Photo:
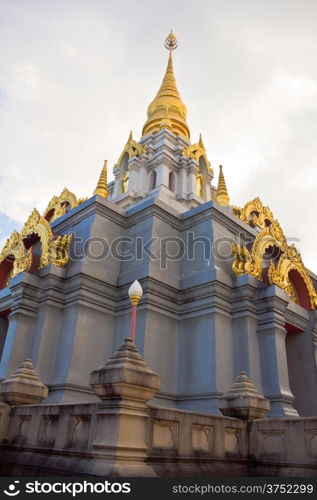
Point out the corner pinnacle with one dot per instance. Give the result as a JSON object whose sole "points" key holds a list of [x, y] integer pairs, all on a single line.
{"points": [[222, 196], [101, 188]]}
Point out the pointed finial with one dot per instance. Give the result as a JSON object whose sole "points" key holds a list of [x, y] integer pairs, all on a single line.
{"points": [[201, 144], [167, 97], [171, 42], [222, 196], [101, 188], [130, 137]]}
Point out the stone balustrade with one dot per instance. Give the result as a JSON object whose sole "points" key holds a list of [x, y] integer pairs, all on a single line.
{"points": [[63, 440]]}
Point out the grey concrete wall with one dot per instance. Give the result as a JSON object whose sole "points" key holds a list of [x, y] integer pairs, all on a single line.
{"points": [[4, 324], [197, 326]]}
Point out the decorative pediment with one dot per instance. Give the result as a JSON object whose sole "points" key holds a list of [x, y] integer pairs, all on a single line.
{"points": [[15, 257], [272, 260], [133, 148], [59, 205], [196, 151], [18, 256], [254, 213]]}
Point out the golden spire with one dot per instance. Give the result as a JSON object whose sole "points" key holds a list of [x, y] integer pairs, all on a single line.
{"points": [[222, 196], [166, 121], [167, 102], [101, 188]]}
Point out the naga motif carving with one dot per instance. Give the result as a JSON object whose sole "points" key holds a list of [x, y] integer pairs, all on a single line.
{"points": [[59, 204], [254, 213], [133, 148], [275, 268], [196, 151], [17, 255]]}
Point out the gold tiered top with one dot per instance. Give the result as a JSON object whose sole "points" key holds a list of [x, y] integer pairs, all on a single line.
{"points": [[102, 189], [167, 110], [222, 196]]}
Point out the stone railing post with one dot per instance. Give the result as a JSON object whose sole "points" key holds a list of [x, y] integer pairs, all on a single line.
{"points": [[125, 384], [23, 387], [244, 401]]}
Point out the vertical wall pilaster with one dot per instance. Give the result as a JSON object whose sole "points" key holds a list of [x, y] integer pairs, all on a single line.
{"points": [[85, 340], [191, 179], [244, 325], [274, 369], [22, 323]]}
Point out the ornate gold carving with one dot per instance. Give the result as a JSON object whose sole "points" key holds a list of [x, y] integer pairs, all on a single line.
{"points": [[281, 262], [15, 251], [58, 253], [242, 260], [18, 248], [36, 224], [252, 261], [279, 275], [133, 148], [254, 213], [58, 204], [196, 151], [199, 185]]}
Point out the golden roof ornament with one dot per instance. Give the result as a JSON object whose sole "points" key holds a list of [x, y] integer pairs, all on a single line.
{"points": [[254, 213], [222, 196], [101, 188], [58, 205], [168, 101], [133, 148], [280, 269], [196, 151]]}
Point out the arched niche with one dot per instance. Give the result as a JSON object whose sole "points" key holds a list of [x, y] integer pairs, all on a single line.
{"points": [[271, 253], [203, 169], [301, 290], [153, 179], [124, 168], [6, 268], [4, 325], [171, 181], [58, 211]]}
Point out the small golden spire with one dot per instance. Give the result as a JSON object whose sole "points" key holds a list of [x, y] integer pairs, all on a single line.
{"points": [[167, 100], [130, 137], [101, 188], [222, 196], [200, 142]]}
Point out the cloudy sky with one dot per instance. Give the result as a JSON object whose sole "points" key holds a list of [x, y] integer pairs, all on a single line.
{"points": [[77, 75]]}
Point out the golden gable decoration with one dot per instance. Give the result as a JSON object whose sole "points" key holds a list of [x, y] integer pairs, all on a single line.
{"points": [[254, 213], [133, 148], [58, 205], [280, 275], [17, 255], [283, 267], [196, 151], [15, 252]]}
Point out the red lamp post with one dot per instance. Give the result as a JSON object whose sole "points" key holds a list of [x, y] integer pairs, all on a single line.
{"points": [[135, 294]]}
